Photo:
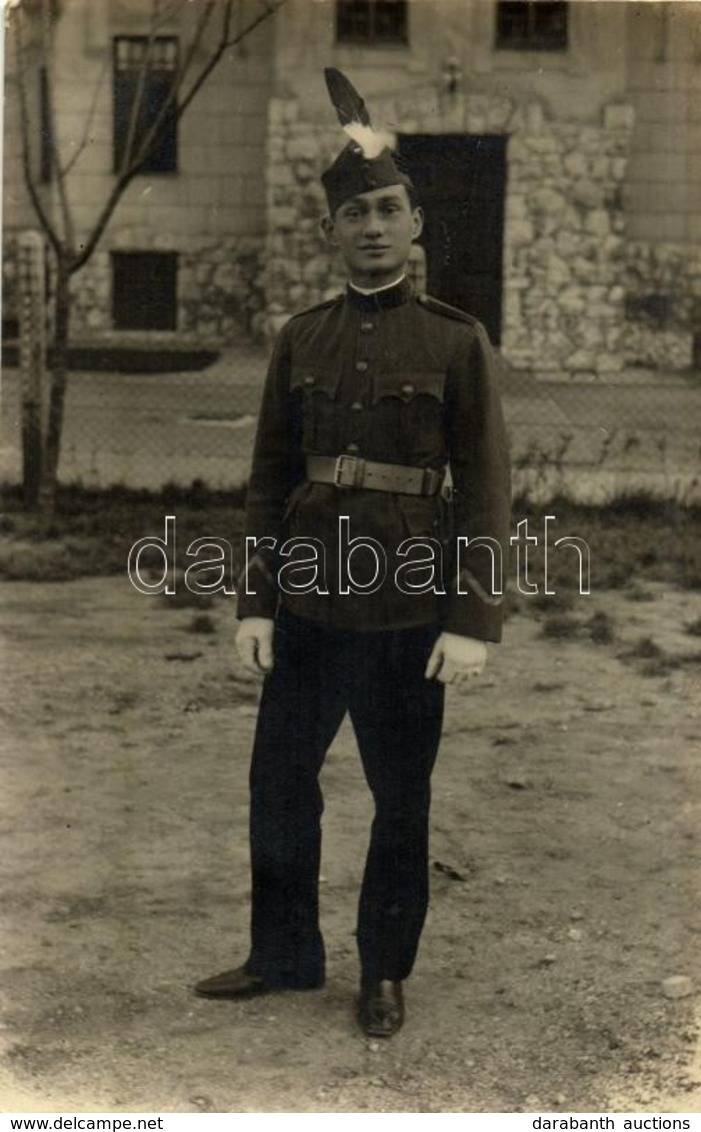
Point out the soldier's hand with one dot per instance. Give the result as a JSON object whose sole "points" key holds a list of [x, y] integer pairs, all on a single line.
{"points": [[254, 642], [456, 659]]}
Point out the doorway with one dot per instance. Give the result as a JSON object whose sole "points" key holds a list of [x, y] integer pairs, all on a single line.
{"points": [[461, 181]]}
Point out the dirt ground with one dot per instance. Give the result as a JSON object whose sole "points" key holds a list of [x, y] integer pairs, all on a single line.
{"points": [[565, 873]]}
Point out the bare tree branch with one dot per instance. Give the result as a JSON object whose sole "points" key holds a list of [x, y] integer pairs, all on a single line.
{"points": [[160, 17], [126, 175], [269, 8], [128, 172], [69, 259], [137, 101], [47, 63], [29, 181], [152, 133], [226, 41], [168, 13], [82, 144], [102, 221]]}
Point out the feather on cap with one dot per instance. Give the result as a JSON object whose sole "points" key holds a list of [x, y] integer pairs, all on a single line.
{"points": [[367, 161], [353, 114]]}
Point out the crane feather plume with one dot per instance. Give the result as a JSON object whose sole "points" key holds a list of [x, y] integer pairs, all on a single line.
{"points": [[353, 115]]}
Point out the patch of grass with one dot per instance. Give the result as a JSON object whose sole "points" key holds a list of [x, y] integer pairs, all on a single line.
{"points": [[644, 649], [639, 593], [694, 628], [600, 627], [184, 598], [562, 601], [202, 623], [631, 541], [513, 603], [92, 532], [561, 627], [663, 665]]}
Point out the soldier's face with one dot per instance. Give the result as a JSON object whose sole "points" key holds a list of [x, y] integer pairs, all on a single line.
{"points": [[374, 233]]}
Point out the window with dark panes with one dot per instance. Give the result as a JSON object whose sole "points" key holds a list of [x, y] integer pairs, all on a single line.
{"points": [[531, 25], [372, 21], [144, 72], [145, 290]]}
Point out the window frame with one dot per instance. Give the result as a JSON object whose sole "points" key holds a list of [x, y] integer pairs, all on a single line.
{"points": [[119, 257], [163, 158], [373, 39], [533, 39]]}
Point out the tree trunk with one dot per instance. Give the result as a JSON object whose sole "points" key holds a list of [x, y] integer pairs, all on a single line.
{"points": [[31, 452], [32, 339], [57, 396]]}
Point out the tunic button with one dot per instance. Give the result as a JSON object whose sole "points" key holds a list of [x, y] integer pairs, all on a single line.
{"points": [[357, 406], [361, 366], [407, 389], [309, 381], [367, 326], [351, 449]]}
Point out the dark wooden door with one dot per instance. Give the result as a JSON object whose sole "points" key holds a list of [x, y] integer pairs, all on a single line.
{"points": [[461, 180]]}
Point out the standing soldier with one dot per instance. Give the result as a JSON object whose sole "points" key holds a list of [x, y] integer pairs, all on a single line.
{"points": [[369, 399]]}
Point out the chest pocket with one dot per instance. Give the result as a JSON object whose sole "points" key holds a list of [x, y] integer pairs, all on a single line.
{"points": [[407, 386], [318, 392], [409, 414]]}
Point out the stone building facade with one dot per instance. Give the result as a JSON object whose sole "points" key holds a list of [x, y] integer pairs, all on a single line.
{"points": [[601, 238], [209, 213]]}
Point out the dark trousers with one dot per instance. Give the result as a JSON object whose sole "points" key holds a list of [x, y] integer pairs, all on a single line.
{"points": [[318, 675]]}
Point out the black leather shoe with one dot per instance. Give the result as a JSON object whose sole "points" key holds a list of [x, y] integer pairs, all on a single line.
{"points": [[381, 1009], [239, 983]]}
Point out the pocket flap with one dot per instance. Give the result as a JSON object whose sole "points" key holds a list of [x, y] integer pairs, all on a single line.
{"points": [[311, 380], [406, 386]]}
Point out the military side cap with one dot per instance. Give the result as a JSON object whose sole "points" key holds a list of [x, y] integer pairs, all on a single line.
{"points": [[352, 173], [367, 161]]}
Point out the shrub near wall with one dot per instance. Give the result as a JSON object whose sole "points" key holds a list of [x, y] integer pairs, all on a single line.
{"points": [[663, 289]]}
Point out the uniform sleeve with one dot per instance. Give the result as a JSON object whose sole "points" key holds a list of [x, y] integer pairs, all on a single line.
{"points": [[276, 467], [481, 506]]}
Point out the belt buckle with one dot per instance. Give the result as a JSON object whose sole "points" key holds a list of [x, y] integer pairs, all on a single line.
{"points": [[342, 477]]}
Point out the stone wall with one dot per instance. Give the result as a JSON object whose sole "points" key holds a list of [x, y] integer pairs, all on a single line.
{"points": [[563, 243], [221, 291], [221, 295], [300, 269]]}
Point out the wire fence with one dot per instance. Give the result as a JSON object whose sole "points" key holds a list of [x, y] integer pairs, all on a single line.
{"points": [[591, 441]]}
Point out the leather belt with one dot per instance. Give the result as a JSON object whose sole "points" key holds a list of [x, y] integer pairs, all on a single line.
{"points": [[352, 471]]}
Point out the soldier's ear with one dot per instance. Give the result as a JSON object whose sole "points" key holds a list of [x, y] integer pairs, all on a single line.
{"points": [[418, 223], [328, 230]]}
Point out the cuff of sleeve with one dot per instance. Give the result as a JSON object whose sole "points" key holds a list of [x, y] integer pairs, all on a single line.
{"points": [[469, 616], [257, 592]]}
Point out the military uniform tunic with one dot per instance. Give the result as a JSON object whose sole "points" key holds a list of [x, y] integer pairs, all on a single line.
{"points": [[397, 378], [393, 378]]}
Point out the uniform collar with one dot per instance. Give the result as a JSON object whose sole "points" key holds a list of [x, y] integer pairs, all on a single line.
{"points": [[382, 300]]}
